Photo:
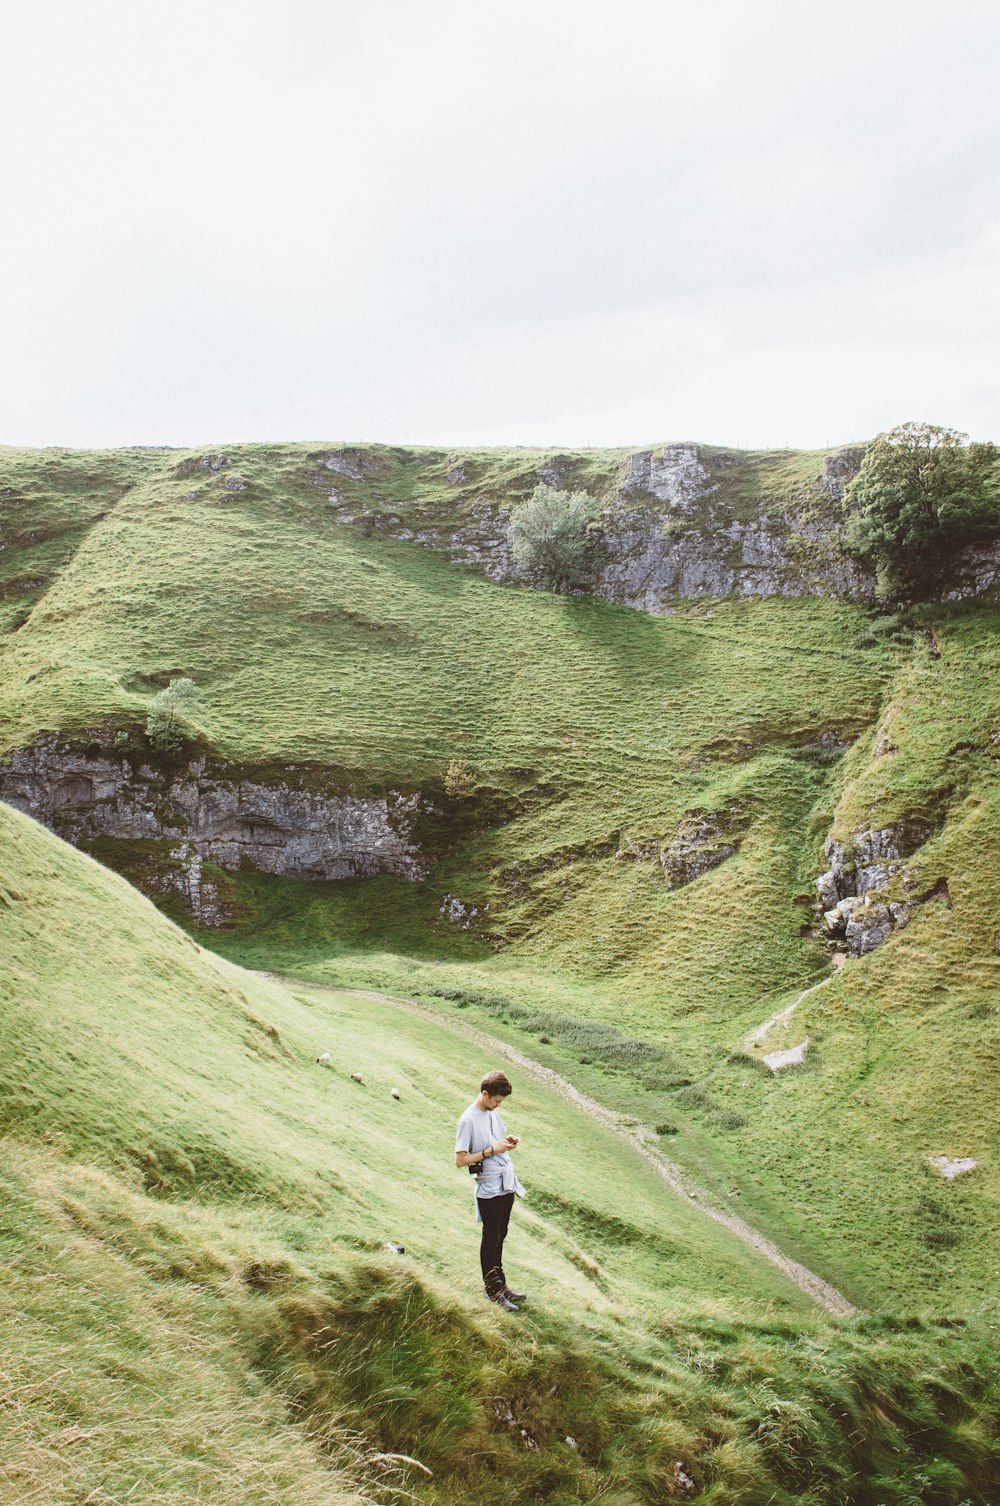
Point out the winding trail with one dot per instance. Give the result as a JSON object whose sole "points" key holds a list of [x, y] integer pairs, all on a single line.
{"points": [[756, 1036], [640, 1136]]}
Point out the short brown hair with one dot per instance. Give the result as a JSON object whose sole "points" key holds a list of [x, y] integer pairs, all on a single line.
{"points": [[496, 1082]]}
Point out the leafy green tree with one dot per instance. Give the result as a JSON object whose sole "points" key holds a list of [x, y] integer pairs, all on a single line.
{"points": [[170, 725], [921, 491], [554, 536]]}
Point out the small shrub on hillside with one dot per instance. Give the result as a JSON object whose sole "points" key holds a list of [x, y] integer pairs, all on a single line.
{"points": [[459, 780], [170, 724], [693, 1097], [591, 1041], [466, 996], [742, 1058], [554, 536], [728, 1119], [894, 627]]}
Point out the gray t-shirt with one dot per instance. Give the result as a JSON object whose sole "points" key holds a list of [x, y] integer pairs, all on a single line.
{"points": [[477, 1129]]}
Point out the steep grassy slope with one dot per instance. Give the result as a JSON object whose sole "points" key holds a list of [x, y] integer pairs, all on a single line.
{"points": [[588, 730], [590, 733], [831, 1157], [255, 1110], [197, 1302]]}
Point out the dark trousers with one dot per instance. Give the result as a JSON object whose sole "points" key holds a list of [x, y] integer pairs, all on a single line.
{"points": [[495, 1213]]}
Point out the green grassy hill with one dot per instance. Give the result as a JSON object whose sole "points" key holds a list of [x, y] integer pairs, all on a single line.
{"points": [[198, 1301], [588, 737]]}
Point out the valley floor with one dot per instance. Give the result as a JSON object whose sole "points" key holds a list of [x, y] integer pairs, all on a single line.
{"points": [[639, 1137]]}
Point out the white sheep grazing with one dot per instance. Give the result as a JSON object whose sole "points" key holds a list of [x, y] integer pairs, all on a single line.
{"points": [[322, 1060], [356, 1077], [395, 1092]]}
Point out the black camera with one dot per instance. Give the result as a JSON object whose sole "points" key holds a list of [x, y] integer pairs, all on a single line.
{"points": [[476, 1168]]}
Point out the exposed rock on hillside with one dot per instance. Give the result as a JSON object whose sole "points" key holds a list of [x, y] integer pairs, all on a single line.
{"points": [[199, 893], [649, 567], [698, 545], [794, 1057], [950, 1167], [699, 844], [458, 912], [702, 841], [975, 570], [342, 462], [202, 815], [839, 469], [556, 471], [674, 474], [677, 522], [865, 894], [196, 465]]}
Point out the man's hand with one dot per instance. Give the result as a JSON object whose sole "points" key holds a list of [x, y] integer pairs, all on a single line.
{"points": [[475, 1158]]}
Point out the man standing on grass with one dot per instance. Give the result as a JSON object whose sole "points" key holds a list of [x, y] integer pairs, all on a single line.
{"points": [[483, 1144]]}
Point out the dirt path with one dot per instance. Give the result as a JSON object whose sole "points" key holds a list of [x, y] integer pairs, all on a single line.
{"points": [[756, 1036], [639, 1136]]}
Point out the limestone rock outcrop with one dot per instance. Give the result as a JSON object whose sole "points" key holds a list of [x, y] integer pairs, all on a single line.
{"points": [[866, 893], [674, 474], [701, 841], [839, 469], [205, 814], [649, 567], [667, 530]]}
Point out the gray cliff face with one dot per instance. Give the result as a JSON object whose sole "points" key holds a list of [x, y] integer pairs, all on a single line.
{"points": [[840, 469], [867, 892], [200, 815], [649, 567], [690, 545], [678, 522], [674, 475], [667, 532], [976, 569], [673, 527]]}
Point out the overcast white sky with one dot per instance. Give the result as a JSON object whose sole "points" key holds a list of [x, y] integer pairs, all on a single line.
{"points": [[553, 222]]}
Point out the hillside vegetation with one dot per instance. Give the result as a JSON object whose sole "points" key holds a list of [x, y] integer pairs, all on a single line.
{"points": [[623, 818], [197, 1298]]}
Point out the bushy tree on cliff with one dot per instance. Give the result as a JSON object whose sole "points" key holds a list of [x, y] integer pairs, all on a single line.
{"points": [[553, 535], [170, 723], [921, 490]]}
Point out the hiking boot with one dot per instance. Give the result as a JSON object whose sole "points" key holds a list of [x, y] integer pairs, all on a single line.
{"points": [[502, 1300], [515, 1296]]}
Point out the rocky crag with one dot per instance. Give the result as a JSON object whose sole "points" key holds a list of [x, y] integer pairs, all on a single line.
{"points": [[702, 841], [200, 815], [669, 526], [870, 888], [678, 522]]}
